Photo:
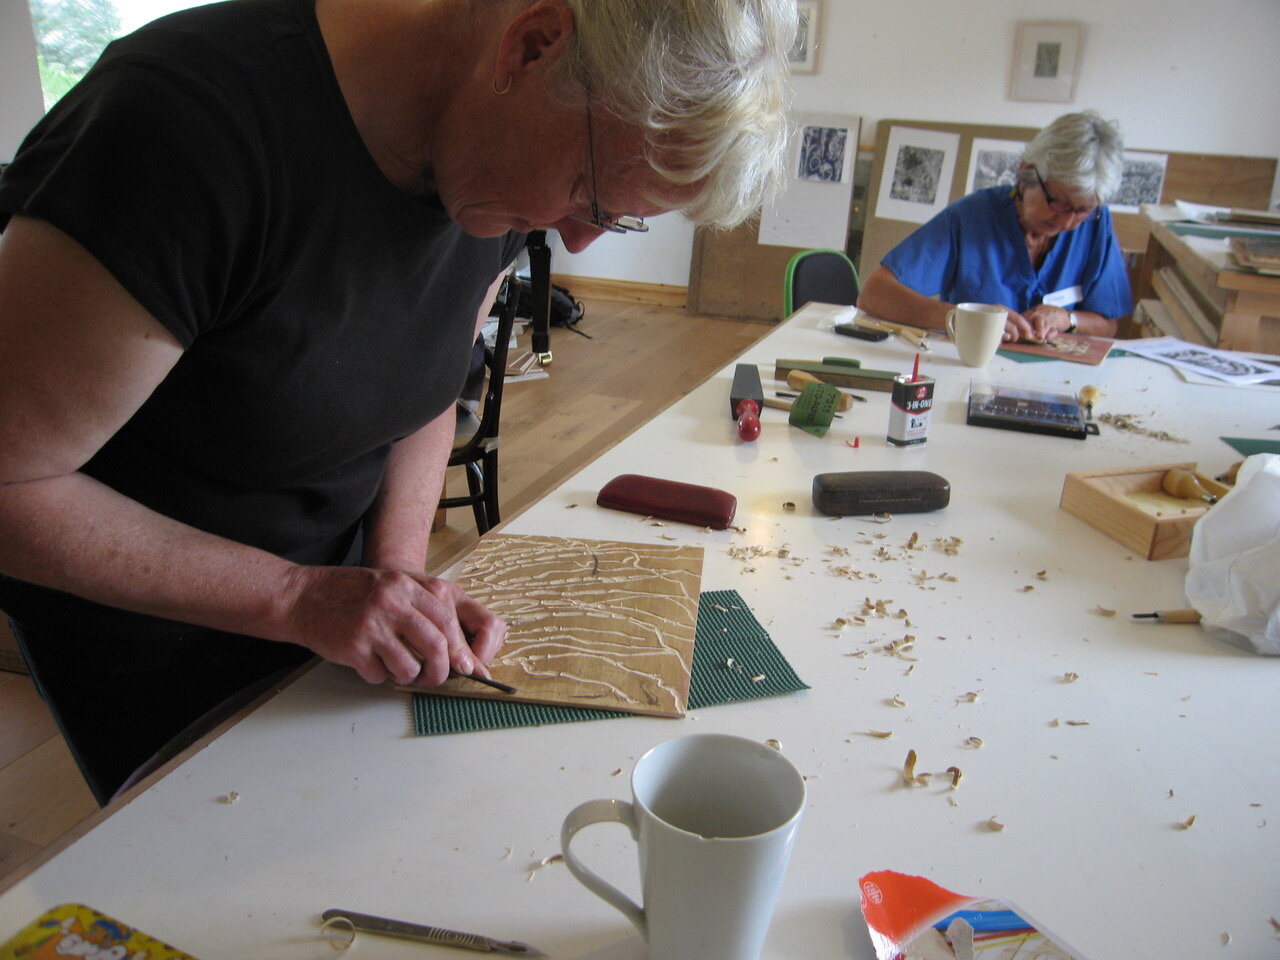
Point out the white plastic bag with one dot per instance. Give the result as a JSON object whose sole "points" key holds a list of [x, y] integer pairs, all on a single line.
{"points": [[1234, 580]]}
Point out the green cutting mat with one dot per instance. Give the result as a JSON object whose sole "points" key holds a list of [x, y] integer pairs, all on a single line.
{"points": [[1247, 447], [731, 648]]}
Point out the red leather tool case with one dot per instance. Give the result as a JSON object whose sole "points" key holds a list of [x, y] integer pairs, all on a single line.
{"points": [[669, 500]]}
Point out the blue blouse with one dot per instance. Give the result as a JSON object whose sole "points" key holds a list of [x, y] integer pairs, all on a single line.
{"points": [[974, 251]]}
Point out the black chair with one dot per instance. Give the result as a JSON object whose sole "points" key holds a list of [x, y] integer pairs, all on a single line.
{"points": [[475, 445], [823, 276]]}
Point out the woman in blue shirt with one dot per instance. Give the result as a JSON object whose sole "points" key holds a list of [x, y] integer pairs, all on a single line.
{"points": [[1044, 251]]}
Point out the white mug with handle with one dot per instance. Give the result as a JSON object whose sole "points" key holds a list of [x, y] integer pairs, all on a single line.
{"points": [[977, 329], [715, 818]]}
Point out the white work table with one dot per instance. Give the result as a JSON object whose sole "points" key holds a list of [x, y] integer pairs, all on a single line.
{"points": [[341, 806]]}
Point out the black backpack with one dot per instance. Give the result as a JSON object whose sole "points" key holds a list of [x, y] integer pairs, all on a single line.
{"points": [[565, 311]]}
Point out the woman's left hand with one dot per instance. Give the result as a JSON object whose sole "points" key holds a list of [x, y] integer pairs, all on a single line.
{"points": [[1046, 321]]}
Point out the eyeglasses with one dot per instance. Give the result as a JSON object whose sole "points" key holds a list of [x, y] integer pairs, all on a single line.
{"points": [[599, 218], [1062, 206]]}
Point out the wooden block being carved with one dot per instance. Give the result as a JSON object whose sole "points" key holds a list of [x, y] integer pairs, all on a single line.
{"points": [[592, 623], [1128, 505]]}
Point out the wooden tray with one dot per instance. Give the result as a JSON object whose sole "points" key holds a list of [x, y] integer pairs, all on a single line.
{"points": [[1128, 505]]}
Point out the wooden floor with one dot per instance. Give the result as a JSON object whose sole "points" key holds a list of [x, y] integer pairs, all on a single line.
{"points": [[639, 360]]}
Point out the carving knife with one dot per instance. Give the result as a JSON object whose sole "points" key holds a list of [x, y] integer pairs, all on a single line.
{"points": [[439, 936]]}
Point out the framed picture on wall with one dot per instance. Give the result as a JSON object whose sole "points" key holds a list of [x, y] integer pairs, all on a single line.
{"points": [[1046, 60], [804, 52]]}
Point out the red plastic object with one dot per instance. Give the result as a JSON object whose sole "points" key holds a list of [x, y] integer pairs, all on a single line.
{"points": [[748, 425]]}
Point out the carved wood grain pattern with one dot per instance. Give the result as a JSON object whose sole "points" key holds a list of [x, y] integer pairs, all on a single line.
{"points": [[592, 623]]}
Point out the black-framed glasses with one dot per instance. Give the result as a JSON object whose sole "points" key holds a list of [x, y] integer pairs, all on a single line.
{"points": [[599, 219], [1062, 206]]}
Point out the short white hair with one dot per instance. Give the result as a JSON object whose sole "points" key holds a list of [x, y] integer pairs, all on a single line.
{"points": [[706, 81], [1082, 151]]}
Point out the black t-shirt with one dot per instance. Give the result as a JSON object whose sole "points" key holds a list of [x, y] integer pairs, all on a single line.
{"points": [[210, 163]]}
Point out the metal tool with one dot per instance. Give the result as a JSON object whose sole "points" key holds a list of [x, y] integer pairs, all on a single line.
{"points": [[420, 933]]}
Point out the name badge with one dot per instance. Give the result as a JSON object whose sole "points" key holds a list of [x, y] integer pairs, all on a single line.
{"points": [[1066, 297]]}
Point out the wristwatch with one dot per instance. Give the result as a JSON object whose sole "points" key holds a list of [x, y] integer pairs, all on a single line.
{"points": [[1072, 322]]}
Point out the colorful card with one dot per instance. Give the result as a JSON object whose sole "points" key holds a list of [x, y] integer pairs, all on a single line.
{"points": [[74, 930]]}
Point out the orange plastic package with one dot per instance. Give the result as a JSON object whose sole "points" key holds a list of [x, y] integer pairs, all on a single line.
{"points": [[911, 918]]}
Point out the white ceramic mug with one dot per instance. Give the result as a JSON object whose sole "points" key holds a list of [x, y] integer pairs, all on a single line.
{"points": [[977, 329], [714, 817]]}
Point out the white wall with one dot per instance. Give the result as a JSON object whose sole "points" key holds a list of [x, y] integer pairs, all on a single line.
{"points": [[21, 102], [1182, 75]]}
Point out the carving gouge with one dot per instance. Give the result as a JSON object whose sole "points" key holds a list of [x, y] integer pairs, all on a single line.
{"points": [[1170, 616], [421, 933]]}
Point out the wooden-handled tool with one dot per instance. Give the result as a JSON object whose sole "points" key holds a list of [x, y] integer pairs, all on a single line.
{"points": [[912, 335], [1185, 485], [1170, 616], [799, 379], [1088, 397]]}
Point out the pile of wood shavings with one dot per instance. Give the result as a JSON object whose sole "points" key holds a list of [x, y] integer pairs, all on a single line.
{"points": [[1128, 423]]}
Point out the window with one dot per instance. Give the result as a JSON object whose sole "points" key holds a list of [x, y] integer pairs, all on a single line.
{"points": [[70, 34]]}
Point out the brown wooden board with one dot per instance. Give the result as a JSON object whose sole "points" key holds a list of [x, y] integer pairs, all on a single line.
{"points": [[592, 623], [732, 275], [1218, 179]]}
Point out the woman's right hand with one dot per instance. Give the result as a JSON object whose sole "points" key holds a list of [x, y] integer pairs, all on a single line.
{"points": [[391, 624], [1016, 326]]}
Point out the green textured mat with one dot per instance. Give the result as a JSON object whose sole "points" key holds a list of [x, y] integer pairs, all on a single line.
{"points": [[1247, 447], [730, 649]]}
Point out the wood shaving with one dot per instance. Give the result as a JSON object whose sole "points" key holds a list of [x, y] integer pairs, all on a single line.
{"points": [[1129, 423], [877, 518], [994, 825], [544, 862], [1188, 823], [948, 545], [896, 701], [1042, 574], [955, 776], [571, 506], [789, 507], [1102, 611], [1275, 924], [1070, 677], [1226, 939], [757, 678], [1077, 723], [952, 801], [859, 654], [776, 744], [616, 773], [880, 734], [974, 742], [232, 797], [507, 855], [1027, 589], [912, 541], [909, 769], [971, 697]]}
